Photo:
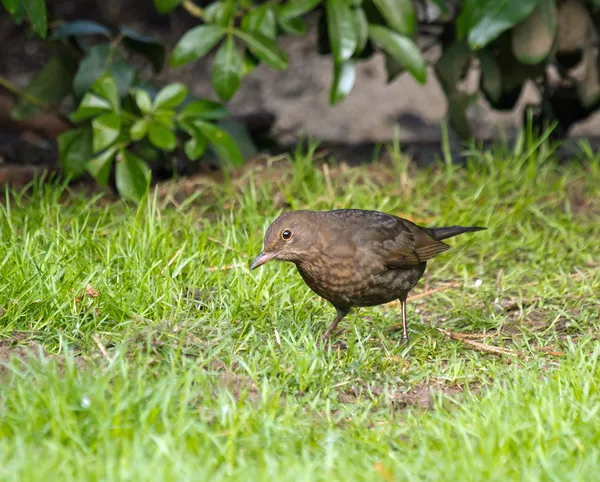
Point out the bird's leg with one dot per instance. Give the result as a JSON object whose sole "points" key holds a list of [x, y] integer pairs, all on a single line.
{"points": [[340, 316], [404, 324]]}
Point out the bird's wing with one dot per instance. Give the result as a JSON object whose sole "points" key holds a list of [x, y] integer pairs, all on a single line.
{"points": [[402, 243]]}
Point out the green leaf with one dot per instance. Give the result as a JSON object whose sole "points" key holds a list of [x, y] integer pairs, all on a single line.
{"points": [[362, 28], [11, 5], [533, 38], [105, 87], [204, 109], [262, 20], [90, 69], [166, 6], [79, 28], [343, 80], [491, 76], [161, 137], [99, 166], [19, 15], [399, 14], [452, 65], [498, 17], [170, 96], [147, 47], [123, 75], [36, 11], [195, 147], [196, 43], [227, 69], [221, 142], [297, 8], [75, 150], [292, 26], [91, 105], [220, 13], [341, 30], [50, 85], [402, 49], [139, 129], [143, 101], [132, 176], [106, 129], [265, 49]]}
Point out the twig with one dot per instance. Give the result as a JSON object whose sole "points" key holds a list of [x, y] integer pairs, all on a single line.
{"points": [[477, 345], [220, 243], [193, 9], [426, 293], [31, 99], [102, 348]]}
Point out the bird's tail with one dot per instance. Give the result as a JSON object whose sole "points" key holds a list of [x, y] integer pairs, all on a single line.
{"points": [[451, 231]]}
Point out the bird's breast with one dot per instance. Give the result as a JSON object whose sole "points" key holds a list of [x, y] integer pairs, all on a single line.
{"points": [[356, 281]]}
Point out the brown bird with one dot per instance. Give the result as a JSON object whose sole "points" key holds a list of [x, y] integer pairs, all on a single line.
{"points": [[355, 258]]}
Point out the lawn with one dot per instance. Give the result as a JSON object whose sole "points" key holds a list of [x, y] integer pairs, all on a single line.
{"points": [[136, 344]]}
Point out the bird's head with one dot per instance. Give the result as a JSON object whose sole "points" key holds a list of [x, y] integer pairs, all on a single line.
{"points": [[288, 238]]}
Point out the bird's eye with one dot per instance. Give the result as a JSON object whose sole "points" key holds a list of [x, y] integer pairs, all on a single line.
{"points": [[286, 234]]}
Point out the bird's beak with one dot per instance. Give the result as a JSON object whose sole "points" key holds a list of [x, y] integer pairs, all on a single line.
{"points": [[261, 259]]}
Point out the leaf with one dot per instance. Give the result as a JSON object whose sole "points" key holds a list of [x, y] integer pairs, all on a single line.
{"points": [[392, 68], [139, 129], [452, 65], [75, 150], [195, 43], [292, 26], [533, 38], [166, 6], [341, 30], [297, 8], [132, 176], [399, 14], [204, 109], [123, 75], [262, 20], [149, 48], [90, 69], [491, 76], [362, 28], [143, 101], [227, 70], [19, 15], [170, 96], [79, 28], [196, 146], [265, 49], [106, 129], [498, 17], [161, 137], [221, 142], [91, 105], [344, 77], [220, 13], [458, 103], [402, 49], [50, 85], [105, 87], [11, 5], [99, 166], [36, 11]]}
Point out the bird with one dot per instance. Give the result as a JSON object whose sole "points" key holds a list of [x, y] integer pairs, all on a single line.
{"points": [[355, 258]]}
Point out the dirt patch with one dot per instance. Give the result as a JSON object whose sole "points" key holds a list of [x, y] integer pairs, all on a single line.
{"points": [[421, 395], [26, 351]]}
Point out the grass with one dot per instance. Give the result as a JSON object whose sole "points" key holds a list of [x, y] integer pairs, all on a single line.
{"points": [[137, 345]]}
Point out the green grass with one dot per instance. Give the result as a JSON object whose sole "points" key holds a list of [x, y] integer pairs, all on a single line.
{"points": [[149, 381]]}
